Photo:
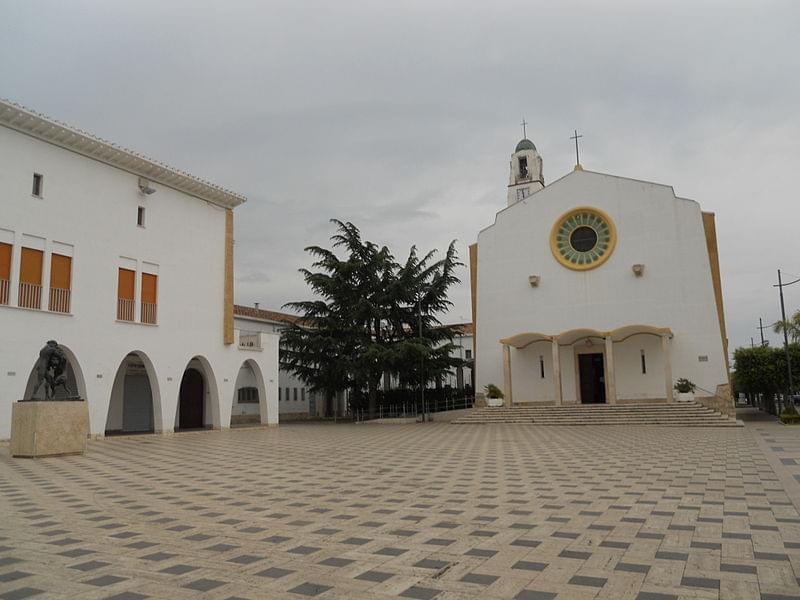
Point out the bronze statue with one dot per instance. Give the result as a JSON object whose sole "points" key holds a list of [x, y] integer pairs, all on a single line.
{"points": [[51, 371]]}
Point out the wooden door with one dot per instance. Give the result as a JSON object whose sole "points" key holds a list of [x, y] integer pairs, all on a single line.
{"points": [[591, 371], [191, 402]]}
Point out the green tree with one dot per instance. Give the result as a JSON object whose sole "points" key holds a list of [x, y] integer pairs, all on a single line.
{"points": [[762, 371], [371, 316], [792, 327]]}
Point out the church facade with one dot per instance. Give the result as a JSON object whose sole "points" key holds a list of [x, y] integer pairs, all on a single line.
{"points": [[597, 289]]}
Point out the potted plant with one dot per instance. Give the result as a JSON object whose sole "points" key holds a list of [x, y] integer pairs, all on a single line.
{"points": [[685, 389], [494, 395]]}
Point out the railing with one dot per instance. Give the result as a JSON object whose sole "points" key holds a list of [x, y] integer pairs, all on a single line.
{"points": [[59, 300], [125, 309], [3, 291], [149, 313], [30, 295], [250, 340]]}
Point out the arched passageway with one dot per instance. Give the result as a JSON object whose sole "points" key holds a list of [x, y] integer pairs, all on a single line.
{"points": [[198, 399], [133, 407], [249, 397]]}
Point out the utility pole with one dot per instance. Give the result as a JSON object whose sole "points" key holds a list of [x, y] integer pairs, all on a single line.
{"points": [[761, 329], [421, 360], [780, 287]]}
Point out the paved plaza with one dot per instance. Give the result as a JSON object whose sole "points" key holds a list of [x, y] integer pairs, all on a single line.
{"points": [[409, 511]]}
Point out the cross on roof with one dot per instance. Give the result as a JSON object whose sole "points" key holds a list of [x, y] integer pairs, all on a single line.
{"points": [[524, 130], [577, 153]]}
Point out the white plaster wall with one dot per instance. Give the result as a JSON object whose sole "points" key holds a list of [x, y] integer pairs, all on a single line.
{"points": [[654, 227], [528, 384], [93, 207], [631, 383]]}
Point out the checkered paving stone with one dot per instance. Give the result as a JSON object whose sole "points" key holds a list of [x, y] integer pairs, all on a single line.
{"points": [[416, 511]]}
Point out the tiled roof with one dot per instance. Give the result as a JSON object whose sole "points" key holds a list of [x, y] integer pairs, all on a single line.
{"points": [[265, 315]]}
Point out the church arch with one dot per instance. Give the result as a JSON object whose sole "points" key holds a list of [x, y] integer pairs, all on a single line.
{"points": [[135, 403]]}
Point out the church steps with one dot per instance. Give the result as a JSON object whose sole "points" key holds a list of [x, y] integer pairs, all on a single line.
{"points": [[688, 414]]}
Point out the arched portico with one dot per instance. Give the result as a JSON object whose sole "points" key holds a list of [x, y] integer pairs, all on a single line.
{"points": [[198, 397], [249, 403], [135, 404], [592, 364]]}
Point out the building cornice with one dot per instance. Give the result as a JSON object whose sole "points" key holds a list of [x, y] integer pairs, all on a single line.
{"points": [[29, 122]]}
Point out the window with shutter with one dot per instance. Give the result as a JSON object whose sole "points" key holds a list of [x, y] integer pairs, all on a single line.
{"points": [[60, 282], [30, 278]]}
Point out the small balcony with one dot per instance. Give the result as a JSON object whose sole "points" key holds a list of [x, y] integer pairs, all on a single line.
{"points": [[149, 313], [4, 285], [125, 309], [250, 340], [59, 300], [30, 295]]}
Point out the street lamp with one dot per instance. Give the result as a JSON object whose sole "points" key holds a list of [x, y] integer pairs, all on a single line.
{"points": [[780, 287], [421, 360]]}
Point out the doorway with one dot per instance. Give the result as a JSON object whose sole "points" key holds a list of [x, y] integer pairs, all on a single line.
{"points": [[192, 399], [591, 371]]}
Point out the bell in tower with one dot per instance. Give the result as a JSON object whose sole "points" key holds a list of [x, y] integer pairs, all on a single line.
{"points": [[526, 172]]}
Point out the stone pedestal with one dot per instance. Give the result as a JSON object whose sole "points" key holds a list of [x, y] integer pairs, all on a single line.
{"points": [[49, 428]]}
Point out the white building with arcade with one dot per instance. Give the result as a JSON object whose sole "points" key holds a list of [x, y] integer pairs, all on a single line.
{"points": [[128, 264], [597, 289]]}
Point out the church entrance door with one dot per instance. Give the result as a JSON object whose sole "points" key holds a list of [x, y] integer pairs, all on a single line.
{"points": [[591, 370]]}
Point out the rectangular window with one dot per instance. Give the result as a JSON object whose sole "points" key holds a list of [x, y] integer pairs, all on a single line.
{"points": [[38, 185], [280, 394], [60, 283], [295, 394], [30, 278], [468, 354], [286, 395], [303, 394], [126, 290], [140, 216], [541, 366], [149, 298], [644, 364], [248, 395], [5, 271], [523, 167]]}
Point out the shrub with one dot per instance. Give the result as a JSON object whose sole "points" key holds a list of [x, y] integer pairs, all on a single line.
{"points": [[684, 386], [492, 391], [790, 418]]}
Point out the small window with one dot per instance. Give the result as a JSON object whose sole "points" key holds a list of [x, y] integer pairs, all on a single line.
{"points": [[280, 394], [644, 364], [541, 367], [248, 395], [286, 395], [140, 216], [468, 354], [295, 394], [523, 167], [38, 185], [303, 394]]}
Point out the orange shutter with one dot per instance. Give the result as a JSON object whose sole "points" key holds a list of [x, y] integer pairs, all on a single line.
{"points": [[60, 271], [31, 266], [5, 261], [126, 284], [149, 287]]}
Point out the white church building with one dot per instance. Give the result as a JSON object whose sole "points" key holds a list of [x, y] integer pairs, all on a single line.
{"points": [[128, 264], [597, 289]]}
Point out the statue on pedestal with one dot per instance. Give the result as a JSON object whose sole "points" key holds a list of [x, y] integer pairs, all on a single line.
{"points": [[51, 371]]}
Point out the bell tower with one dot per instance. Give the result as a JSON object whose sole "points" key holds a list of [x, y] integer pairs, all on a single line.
{"points": [[526, 172]]}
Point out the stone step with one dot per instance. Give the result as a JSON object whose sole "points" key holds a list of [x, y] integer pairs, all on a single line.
{"points": [[685, 414]]}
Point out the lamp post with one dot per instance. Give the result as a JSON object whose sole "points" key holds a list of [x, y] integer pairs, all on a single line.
{"points": [[421, 360], [780, 287]]}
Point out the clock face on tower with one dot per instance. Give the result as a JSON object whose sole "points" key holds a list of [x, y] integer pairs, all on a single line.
{"points": [[583, 238]]}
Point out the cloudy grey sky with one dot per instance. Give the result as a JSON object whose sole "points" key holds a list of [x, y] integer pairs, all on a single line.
{"points": [[400, 116]]}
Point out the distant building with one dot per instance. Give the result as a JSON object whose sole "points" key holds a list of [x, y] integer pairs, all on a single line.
{"points": [[295, 398], [128, 264]]}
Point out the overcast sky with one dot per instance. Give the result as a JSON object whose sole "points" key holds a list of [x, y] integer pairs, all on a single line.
{"points": [[401, 116]]}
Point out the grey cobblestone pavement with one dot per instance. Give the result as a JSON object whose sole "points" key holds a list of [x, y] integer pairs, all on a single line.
{"points": [[412, 511]]}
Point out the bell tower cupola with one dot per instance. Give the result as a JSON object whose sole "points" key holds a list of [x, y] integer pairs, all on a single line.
{"points": [[526, 172]]}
